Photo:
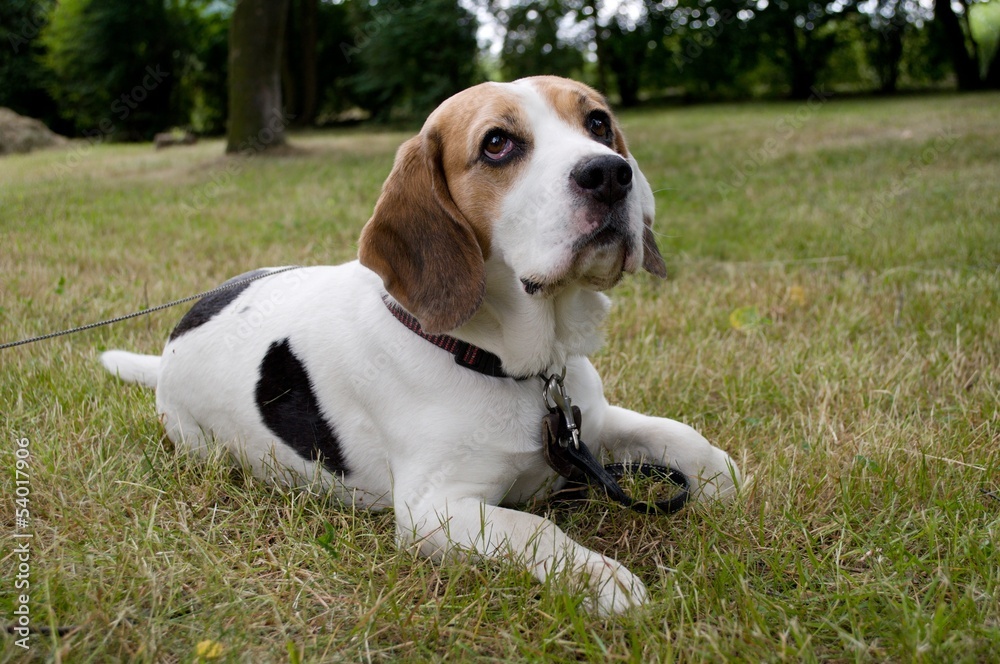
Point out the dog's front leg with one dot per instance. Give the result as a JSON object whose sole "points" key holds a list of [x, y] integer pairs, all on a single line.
{"points": [[710, 472], [445, 526]]}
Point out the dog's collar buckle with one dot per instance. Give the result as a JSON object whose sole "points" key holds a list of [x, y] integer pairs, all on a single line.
{"points": [[559, 402]]}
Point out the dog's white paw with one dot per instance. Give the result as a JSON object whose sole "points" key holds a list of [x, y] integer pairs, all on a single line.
{"points": [[613, 589]]}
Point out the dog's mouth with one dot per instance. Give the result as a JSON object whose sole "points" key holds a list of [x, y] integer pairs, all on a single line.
{"points": [[601, 256], [596, 260], [531, 287], [610, 227], [608, 235], [598, 266], [543, 287]]}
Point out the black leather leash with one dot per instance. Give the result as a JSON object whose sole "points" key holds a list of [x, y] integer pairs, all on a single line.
{"points": [[568, 455]]}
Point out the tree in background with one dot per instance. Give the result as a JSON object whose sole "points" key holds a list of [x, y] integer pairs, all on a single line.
{"points": [[882, 32], [615, 46], [531, 43], [714, 47], [985, 27], [412, 55], [597, 34], [336, 71], [974, 68], [802, 36], [962, 49], [203, 78], [299, 67], [114, 66], [625, 50], [256, 34], [24, 79], [128, 69]]}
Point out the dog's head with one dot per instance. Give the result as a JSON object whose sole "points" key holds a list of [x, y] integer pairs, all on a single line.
{"points": [[533, 173]]}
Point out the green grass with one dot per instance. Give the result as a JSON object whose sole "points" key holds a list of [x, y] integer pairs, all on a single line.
{"points": [[832, 319]]}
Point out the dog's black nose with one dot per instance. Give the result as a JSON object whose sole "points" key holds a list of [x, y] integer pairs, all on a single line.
{"points": [[607, 178]]}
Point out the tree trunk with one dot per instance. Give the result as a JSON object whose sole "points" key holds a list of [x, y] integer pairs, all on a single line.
{"points": [[889, 57], [627, 73], [309, 21], [628, 87], [966, 66], [299, 74], [992, 80], [800, 76], [256, 35], [290, 68]]}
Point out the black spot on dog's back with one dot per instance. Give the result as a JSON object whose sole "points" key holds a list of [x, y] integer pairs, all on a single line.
{"points": [[207, 307], [289, 408]]}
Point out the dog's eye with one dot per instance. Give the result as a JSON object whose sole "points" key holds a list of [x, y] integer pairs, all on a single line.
{"points": [[497, 145], [599, 124]]}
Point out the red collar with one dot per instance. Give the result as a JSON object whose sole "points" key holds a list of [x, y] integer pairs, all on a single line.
{"points": [[466, 355]]}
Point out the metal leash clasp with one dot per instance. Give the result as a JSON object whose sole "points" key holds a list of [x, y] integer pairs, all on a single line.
{"points": [[556, 400], [568, 455]]}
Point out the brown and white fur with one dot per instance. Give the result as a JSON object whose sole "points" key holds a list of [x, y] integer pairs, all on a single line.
{"points": [[500, 224]]}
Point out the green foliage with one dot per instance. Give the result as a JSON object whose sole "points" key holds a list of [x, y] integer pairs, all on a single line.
{"points": [[24, 79], [203, 27], [925, 58], [715, 47], [336, 70], [531, 44], [984, 27], [398, 58], [624, 48], [115, 65], [864, 58], [741, 48], [413, 54], [802, 36]]}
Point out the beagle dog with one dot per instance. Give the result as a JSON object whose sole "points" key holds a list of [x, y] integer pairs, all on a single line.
{"points": [[494, 235]]}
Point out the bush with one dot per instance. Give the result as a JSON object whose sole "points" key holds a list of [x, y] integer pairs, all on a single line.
{"points": [[115, 65], [413, 54], [24, 79]]}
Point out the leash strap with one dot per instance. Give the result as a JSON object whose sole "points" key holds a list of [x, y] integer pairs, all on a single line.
{"points": [[569, 456], [159, 307]]}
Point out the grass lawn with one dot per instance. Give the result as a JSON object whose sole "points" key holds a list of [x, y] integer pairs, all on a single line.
{"points": [[832, 319]]}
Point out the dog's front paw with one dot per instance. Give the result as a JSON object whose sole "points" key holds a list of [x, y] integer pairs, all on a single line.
{"points": [[612, 588], [719, 479]]}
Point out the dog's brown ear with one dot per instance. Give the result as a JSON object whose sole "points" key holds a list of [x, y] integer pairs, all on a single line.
{"points": [[652, 259], [421, 245]]}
